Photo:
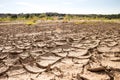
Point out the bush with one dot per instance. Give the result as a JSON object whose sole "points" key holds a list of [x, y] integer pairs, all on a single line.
{"points": [[30, 22]]}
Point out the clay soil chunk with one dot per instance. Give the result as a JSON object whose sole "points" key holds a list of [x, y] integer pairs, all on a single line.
{"points": [[77, 53], [46, 61], [4, 69], [32, 69]]}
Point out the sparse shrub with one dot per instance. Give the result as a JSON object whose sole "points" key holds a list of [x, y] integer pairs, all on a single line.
{"points": [[77, 22], [31, 22]]}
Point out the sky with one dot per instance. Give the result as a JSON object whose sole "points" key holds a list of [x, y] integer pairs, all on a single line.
{"points": [[61, 6]]}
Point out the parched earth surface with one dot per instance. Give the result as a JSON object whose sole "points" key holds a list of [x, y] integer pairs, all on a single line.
{"points": [[60, 51]]}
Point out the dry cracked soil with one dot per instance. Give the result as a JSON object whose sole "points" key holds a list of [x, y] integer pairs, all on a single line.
{"points": [[60, 51]]}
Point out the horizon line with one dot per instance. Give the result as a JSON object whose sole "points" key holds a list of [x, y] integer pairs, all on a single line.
{"points": [[63, 13]]}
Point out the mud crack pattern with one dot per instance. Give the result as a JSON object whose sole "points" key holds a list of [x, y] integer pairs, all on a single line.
{"points": [[60, 51]]}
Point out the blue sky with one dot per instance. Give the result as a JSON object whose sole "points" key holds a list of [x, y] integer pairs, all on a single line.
{"points": [[61, 6]]}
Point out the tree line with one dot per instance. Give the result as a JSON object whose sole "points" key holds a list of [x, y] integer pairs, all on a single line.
{"points": [[60, 16]]}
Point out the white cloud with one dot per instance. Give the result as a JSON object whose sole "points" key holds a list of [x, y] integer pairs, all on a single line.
{"points": [[26, 7], [27, 4], [82, 0], [35, 8], [1, 5], [67, 3]]}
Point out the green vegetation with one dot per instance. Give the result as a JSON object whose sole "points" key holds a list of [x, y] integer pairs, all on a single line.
{"points": [[31, 22], [55, 16]]}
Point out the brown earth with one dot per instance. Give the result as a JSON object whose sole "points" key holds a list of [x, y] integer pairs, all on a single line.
{"points": [[60, 51]]}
